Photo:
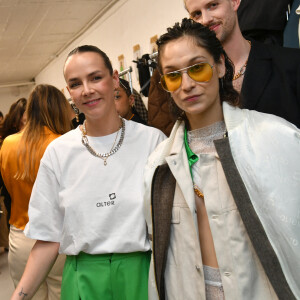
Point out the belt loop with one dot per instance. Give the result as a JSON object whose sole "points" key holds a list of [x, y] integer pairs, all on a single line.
{"points": [[76, 256]]}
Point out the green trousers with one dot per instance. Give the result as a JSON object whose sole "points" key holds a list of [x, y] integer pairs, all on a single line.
{"points": [[118, 276]]}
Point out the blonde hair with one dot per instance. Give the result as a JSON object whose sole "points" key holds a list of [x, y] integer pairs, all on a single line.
{"points": [[47, 107]]}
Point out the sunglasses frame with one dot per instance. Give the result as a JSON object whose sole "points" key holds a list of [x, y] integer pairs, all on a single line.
{"points": [[184, 70]]}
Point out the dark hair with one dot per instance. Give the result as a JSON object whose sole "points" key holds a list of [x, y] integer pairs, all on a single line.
{"points": [[1, 114], [90, 48], [124, 84], [207, 39], [11, 122]]}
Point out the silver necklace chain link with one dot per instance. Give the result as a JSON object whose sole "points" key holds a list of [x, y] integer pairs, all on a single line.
{"points": [[113, 149]]}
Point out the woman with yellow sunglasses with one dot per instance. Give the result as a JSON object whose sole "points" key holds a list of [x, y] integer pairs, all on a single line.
{"points": [[221, 191]]}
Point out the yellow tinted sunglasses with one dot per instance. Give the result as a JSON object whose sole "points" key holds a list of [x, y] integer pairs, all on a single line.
{"points": [[201, 72]]}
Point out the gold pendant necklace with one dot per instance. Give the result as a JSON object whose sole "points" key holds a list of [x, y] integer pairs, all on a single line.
{"points": [[113, 149], [195, 187], [198, 192], [242, 69]]}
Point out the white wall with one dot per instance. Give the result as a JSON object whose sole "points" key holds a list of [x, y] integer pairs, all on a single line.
{"points": [[128, 23], [9, 95]]}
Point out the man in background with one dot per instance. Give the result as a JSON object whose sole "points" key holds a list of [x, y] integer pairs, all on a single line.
{"points": [[268, 77]]}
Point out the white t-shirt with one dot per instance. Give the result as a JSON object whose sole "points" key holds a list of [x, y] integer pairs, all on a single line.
{"points": [[89, 207]]}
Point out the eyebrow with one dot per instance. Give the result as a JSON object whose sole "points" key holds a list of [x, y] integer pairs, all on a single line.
{"points": [[205, 6], [191, 61], [90, 74]]}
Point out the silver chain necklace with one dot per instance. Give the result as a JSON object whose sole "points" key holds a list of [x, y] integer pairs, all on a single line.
{"points": [[113, 149]]}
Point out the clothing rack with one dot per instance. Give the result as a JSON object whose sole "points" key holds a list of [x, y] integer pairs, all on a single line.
{"points": [[153, 55], [152, 62], [128, 71], [146, 65]]}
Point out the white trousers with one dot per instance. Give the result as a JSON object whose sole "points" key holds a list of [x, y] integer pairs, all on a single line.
{"points": [[19, 250]]}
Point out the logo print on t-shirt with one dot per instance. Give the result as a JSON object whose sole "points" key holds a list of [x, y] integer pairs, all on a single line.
{"points": [[112, 196], [109, 202]]}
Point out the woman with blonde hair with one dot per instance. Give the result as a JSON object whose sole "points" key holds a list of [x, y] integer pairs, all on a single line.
{"points": [[47, 118]]}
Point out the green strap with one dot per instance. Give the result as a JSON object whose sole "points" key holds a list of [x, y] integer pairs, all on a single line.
{"points": [[192, 157]]}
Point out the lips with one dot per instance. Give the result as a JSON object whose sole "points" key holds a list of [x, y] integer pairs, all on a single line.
{"points": [[214, 27], [92, 102], [191, 98]]}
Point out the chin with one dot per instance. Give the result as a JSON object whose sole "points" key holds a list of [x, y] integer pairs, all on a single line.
{"points": [[195, 111], [193, 114]]}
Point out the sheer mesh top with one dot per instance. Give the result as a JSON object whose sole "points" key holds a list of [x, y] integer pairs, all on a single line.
{"points": [[201, 140]]}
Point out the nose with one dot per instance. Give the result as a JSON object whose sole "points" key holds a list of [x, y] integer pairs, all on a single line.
{"points": [[87, 89], [206, 18], [187, 83]]}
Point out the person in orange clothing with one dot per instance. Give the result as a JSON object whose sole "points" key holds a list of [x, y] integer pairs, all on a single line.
{"points": [[13, 122], [47, 118]]}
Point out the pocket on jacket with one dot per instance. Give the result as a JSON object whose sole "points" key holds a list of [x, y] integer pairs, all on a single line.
{"points": [[175, 215]]}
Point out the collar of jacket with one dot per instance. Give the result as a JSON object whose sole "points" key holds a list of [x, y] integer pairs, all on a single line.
{"points": [[173, 152], [231, 123], [233, 117]]}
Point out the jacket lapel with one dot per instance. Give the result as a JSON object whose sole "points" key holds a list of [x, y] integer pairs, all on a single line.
{"points": [[162, 196], [179, 166], [258, 71], [176, 170]]}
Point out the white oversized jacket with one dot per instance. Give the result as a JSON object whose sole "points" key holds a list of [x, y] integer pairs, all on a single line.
{"points": [[266, 153]]}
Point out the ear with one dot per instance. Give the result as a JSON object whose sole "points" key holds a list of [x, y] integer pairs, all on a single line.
{"points": [[221, 67], [131, 100], [235, 4], [115, 77], [69, 91]]}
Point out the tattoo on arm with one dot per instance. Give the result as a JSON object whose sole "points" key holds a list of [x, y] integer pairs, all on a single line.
{"points": [[23, 294]]}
